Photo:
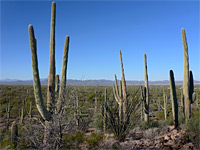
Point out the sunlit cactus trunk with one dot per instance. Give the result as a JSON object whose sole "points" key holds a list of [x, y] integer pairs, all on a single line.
{"points": [[125, 102], [57, 84], [186, 82], [165, 103], [51, 77], [146, 107], [173, 99]]}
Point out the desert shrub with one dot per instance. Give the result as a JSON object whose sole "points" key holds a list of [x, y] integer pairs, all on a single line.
{"points": [[151, 124], [94, 139], [160, 115], [98, 122], [193, 128], [121, 128]]}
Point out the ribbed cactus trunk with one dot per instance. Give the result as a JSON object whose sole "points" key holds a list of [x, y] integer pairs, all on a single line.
{"points": [[51, 78], [57, 84], [14, 134], [22, 112], [125, 102], [30, 110], [142, 103], [105, 115], [146, 111], [191, 86], [64, 75], [173, 99], [165, 103], [187, 101]]}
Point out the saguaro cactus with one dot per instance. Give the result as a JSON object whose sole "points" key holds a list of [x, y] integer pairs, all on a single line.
{"points": [[125, 102], [14, 134], [191, 86], [173, 99], [186, 97], [165, 103], [146, 111], [57, 84], [46, 112]]}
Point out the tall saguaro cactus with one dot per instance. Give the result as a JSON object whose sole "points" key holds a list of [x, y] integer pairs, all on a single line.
{"points": [[125, 102], [52, 70], [187, 101], [191, 86], [46, 112], [146, 111], [173, 99]]}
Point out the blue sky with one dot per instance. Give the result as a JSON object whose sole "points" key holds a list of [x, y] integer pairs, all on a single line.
{"points": [[98, 30]]}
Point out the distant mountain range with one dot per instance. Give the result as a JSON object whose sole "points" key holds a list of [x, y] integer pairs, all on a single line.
{"points": [[101, 82]]}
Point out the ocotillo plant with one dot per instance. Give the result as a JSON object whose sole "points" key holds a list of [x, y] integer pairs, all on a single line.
{"points": [[14, 134], [173, 98], [46, 112], [187, 101], [146, 107]]}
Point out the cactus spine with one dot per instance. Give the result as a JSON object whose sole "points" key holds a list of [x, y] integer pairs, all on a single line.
{"points": [[173, 98], [14, 134], [146, 107], [187, 101]]}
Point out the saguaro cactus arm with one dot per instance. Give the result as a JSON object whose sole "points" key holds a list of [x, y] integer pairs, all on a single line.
{"points": [[187, 101], [36, 80], [64, 74], [51, 79], [173, 99]]}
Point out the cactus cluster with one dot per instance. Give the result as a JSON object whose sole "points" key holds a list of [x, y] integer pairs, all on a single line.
{"points": [[46, 112]]}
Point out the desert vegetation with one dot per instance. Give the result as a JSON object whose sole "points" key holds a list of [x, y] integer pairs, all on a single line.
{"points": [[60, 116]]}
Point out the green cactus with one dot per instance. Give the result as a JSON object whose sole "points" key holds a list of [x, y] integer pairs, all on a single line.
{"points": [[191, 87], [146, 114], [57, 84], [30, 110], [124, 92], [22, 111], [14, 134], [46, 112], [186, 81], [173, 98], [165, 103]]}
